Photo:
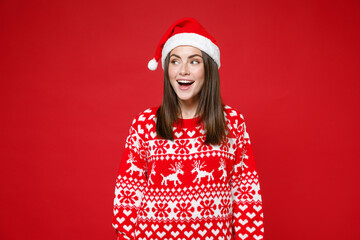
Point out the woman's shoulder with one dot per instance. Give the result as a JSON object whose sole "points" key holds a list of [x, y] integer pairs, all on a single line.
{"points": [[146, 116], [232, 114], [234, 120]]}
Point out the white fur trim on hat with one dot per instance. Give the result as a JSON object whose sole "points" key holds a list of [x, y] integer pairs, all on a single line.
{"points": [[191, 39]]}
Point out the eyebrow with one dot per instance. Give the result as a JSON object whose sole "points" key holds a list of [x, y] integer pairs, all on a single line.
{"points": [[191, 56]]}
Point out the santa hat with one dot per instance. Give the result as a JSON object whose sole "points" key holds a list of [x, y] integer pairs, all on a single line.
{"points": [[185, 31]]}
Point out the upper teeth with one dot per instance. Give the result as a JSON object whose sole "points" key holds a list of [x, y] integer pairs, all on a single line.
{"points": [[185, 81]]}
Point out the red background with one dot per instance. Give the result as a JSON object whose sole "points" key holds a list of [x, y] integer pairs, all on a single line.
{"points": [[74, 74]]}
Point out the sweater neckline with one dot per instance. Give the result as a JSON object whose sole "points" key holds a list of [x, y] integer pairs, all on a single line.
{"points": [[188, 122]]}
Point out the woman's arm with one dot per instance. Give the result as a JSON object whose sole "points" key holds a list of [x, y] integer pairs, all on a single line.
{"points": [[130, 183], [248, 218]]}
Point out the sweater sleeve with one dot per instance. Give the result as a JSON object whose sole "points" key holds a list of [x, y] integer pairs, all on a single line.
{"points": [[248, 218], [130, 183]]}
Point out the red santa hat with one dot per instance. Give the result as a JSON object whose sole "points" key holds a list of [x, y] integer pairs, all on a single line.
{"points": [[185, 31]]}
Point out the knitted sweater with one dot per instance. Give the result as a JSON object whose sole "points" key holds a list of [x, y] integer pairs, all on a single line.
{"points": [[184, 189]]}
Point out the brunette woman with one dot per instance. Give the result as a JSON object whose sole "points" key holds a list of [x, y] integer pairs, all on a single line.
{"points": [[188, 170]]}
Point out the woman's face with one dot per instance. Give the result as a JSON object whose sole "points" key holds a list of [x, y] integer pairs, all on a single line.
{"points": [[186, 73]]}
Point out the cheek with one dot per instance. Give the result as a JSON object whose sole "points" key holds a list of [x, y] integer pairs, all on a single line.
{"points": [[200, 74], [201, 84], [172, 74], [172, 78]]}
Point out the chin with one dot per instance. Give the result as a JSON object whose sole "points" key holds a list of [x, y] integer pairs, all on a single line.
{"points": [[185, 99]]}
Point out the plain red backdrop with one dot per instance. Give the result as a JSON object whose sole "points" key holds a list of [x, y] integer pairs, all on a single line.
{"points": [[74, 74]]}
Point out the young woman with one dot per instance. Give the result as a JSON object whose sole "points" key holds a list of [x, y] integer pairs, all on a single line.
{"points": [[188, 170]]}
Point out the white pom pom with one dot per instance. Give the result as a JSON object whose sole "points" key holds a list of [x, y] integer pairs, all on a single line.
{"points": [[152, 65]]}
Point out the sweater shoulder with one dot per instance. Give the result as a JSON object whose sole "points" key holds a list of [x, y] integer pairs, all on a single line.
{"points": [[146, 115], [145, 121], [233, 115], [234, 121]]}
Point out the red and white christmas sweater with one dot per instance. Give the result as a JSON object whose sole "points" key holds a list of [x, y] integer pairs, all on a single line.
{"points": [[184, 189]]}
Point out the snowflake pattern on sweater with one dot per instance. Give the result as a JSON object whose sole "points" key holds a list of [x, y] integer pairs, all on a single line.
{"points": [[184, 189]]}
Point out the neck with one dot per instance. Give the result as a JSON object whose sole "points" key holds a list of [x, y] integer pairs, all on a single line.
{"points": [[188, 108]]}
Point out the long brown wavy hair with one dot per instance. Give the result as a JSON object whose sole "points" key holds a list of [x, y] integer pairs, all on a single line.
{"points": [[210, 109]]}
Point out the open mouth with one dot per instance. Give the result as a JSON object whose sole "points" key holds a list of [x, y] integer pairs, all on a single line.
{"points": [[185, 82]]}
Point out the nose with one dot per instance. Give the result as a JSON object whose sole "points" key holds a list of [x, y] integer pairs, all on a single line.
{"points": [[184, 70]]}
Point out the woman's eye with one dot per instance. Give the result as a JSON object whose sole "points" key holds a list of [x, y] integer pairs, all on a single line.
{"points": [[195, 62], [175, 62]]}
